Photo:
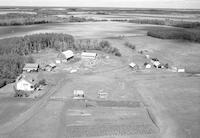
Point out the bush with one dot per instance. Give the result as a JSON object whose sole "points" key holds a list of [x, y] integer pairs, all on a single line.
{"points": [[2, 83], [42, 82], [30, 60], [128, 44], [103, 45], [148, 21], [10, 67]]}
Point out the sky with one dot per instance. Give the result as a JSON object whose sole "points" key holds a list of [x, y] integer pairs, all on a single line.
{"points": [[186, 4]]}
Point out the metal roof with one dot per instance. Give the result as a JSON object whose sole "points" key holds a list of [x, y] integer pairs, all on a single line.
{"points": [[31, 66], [86, 54], [68, 54]]}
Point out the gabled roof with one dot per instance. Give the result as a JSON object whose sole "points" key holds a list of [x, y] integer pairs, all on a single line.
{"points": [[156, 63], [51, 65], [86, 54], [26, 78], [31, 66], [68, 54], [132, 65]]}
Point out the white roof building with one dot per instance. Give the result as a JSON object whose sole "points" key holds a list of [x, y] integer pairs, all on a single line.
{"points": [[156, 64], [88, 55], [148, 66], [78, 94], [147, 56], [181, 70], [68, 54], [31, 67], [133, 65], [24, 84]]}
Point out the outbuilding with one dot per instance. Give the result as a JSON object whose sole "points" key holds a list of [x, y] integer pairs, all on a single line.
{"points": [[181, 70], [147, 56], [147, 65], [79, 94], [87, 55], [133, 65], [50, 67], [31, 67]]}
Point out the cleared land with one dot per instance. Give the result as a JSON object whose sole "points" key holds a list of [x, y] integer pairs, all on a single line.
{"points": [[160, 103]]}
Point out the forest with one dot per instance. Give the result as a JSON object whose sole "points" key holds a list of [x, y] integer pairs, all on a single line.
{"points": [[26, 19], [192, 35]]}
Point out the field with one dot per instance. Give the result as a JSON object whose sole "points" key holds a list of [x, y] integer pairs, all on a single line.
{"points": [[149, 103]]}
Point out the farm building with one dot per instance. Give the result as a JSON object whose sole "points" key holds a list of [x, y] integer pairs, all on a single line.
{"points": [[24, 83], [181, 70], [66, 55], [79, 94], [50, 67], [147, 65], [147, 56], [156, 64], [133, 65], [86, 55], [31, 67]]}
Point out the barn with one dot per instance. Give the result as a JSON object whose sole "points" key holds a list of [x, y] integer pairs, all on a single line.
{"points": [[68, 54], [31, 67], [87, 55]]}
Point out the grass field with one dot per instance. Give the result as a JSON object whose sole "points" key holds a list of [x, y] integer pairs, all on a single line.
{"points": [[172, 97]]}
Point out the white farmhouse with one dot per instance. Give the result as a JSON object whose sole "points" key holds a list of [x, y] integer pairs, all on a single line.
{"points": [[156, 64], [23, 84]]}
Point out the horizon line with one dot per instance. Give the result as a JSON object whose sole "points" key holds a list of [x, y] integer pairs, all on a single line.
{"points": [[99, 7]]}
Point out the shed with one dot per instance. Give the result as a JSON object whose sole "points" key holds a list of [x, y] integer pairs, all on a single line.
{"points": [[181, 70], [50, 67], [133, 65], [86, 55], [147, 56], [58, 61], [78, 94], [147, 65], [31, 67]]}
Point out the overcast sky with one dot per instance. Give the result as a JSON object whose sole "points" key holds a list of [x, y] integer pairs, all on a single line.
{"points": [[194, 4]]}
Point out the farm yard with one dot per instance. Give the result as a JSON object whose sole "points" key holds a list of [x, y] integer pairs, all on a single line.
{"points": [[120, 99]]}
